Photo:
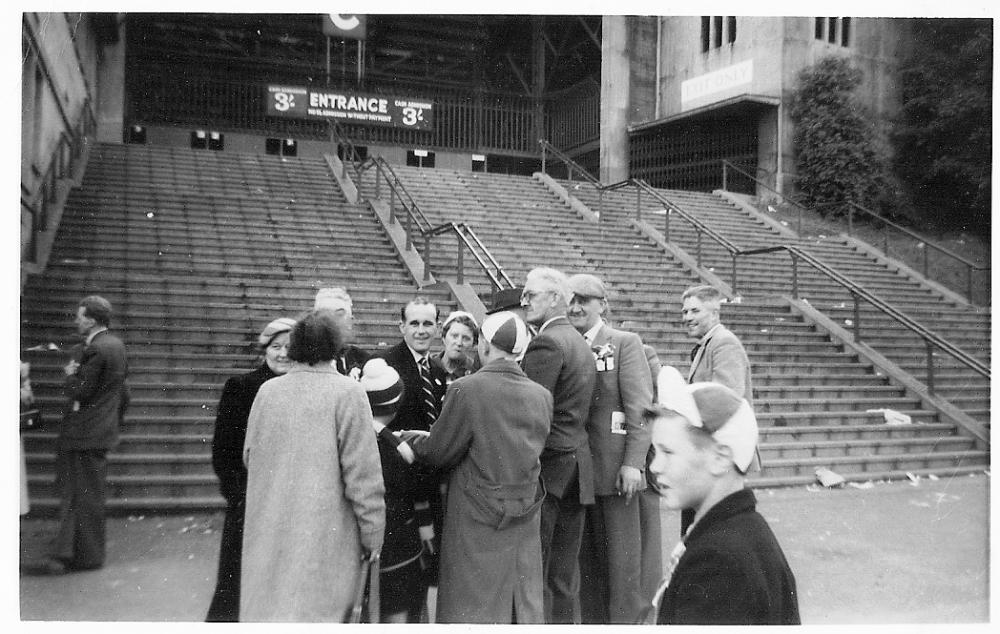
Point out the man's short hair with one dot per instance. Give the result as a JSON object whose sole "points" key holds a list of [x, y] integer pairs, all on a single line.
{"points": [[329, 297], [551, 280], [707, 294], [316, 338], [97, 308], [419, 300]]}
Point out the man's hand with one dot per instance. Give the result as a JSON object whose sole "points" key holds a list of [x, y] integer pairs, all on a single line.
{"points": [[628, 482], [71, 367], [411, 435]]}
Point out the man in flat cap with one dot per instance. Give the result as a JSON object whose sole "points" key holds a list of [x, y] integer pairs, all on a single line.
{"points": [[611, 559]]}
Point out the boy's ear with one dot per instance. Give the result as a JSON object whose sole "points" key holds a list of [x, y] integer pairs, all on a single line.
{"points": [[721, 460]]}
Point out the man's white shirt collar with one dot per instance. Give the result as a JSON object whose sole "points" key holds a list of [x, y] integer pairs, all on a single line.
{"points": [[708, 335], [417, 356], [93, 334], [591, 334]]}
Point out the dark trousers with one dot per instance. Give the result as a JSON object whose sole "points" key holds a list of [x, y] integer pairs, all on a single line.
{"points": [[561, 530], [652, 545], [225, 604], [611, 561], [80, 478]]}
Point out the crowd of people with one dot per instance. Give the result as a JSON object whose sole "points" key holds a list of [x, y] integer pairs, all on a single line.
{"points": [[513, 476]]}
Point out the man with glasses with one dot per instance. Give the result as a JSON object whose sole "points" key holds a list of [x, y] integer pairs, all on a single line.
{"points": [[611, 556], [559, 359]]}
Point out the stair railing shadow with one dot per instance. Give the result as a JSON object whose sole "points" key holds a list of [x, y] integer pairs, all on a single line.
{"points": [[851, 209], [414, 221]]}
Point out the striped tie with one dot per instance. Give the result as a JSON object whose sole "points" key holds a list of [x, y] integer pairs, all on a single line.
{"points": [[430, 403]]}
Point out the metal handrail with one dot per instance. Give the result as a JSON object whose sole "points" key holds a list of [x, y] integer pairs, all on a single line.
{"points": [[858, 292], [571, 165], [62, 162], [970, 266], [415, 218]]}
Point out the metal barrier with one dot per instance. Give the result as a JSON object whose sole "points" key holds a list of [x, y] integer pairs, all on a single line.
{"points": [[931, 339], [414, 222], [853, 207]]}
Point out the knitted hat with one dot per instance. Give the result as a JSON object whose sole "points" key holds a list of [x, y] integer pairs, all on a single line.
{"points": [[716, 409], [458, 313], [383, 385], [275, 328], [506, 331]]}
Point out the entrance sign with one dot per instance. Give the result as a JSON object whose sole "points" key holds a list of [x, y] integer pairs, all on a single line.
{"points": [[721, 81], [349, 106]]}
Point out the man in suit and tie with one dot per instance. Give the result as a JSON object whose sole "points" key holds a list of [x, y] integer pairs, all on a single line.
{"points": [[611, 560], [424, 386], [718, 356], [559, 359], [351, 359], [97, 398]]}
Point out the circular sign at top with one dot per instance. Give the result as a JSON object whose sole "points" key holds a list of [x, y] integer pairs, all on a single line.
{"points": [[344, 26]]}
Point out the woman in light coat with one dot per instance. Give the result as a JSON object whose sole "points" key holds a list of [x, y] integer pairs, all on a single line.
{"points": [[315, 497]]}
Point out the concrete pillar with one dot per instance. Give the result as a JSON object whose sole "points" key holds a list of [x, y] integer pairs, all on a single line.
{"points": [[110, 106], [614, 98]]}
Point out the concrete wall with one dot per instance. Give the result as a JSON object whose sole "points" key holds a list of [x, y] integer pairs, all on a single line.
{"points": [[777, 49], [61, 55]]}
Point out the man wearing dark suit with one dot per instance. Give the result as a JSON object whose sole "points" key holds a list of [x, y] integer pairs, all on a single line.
{"points": [[719, 355], [351, 359], [559, 359], [424, 386], [611, 559], [95, 384]]}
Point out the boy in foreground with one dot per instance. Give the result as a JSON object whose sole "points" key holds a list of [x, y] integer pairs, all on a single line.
{"points": [[728, 568]]}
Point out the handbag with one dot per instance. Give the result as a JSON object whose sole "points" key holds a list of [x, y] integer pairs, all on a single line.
{"points": [[31, 419], [367, 591]]}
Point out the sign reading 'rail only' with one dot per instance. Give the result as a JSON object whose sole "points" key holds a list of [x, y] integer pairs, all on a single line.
{"points": [[349, 107]]}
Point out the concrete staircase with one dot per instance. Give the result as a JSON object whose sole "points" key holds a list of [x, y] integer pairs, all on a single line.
{"points": [[965, 325], [812, 394], [196, 251]]}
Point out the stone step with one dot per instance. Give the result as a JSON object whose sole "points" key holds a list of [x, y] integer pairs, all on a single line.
{"points": [[771, 435], [928, 462]]}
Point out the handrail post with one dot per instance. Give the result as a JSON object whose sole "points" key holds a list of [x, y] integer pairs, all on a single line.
{"points": [[543, 159], [857, 317], [795, 275], [850, 219], [666, 224], [427, 256], [378, 182], [968, 282], [885, 243], [725, 176], [638, 203], [930, 366], [799, 207], [409, 229], [697, 256], [926, 249], [733, 255], [392, 205], [600, 204], [461, 257]]}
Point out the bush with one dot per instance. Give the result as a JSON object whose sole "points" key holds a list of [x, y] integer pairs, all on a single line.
{"points": [[836, 152]]}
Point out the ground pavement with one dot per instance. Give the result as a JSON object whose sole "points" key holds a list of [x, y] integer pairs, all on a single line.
{"points": [[903, 552]]}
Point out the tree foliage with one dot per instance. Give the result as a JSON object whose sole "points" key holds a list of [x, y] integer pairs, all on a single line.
{"points": [[837, 156], [943, 140]]}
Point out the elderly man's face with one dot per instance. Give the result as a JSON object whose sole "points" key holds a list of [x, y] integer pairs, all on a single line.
{"points": [[540, 304], [699, 317]]}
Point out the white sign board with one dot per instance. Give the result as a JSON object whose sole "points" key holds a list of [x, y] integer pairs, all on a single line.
{"points": [[719, 81]]}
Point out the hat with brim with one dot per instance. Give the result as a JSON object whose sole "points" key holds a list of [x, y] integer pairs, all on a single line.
{"points": [[275, 328]]}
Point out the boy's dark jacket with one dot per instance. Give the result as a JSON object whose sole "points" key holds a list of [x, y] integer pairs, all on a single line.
{"points": [[732, 572]]}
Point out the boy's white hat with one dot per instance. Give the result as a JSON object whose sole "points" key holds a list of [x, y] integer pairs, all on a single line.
{"points": [[716, 409]]}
